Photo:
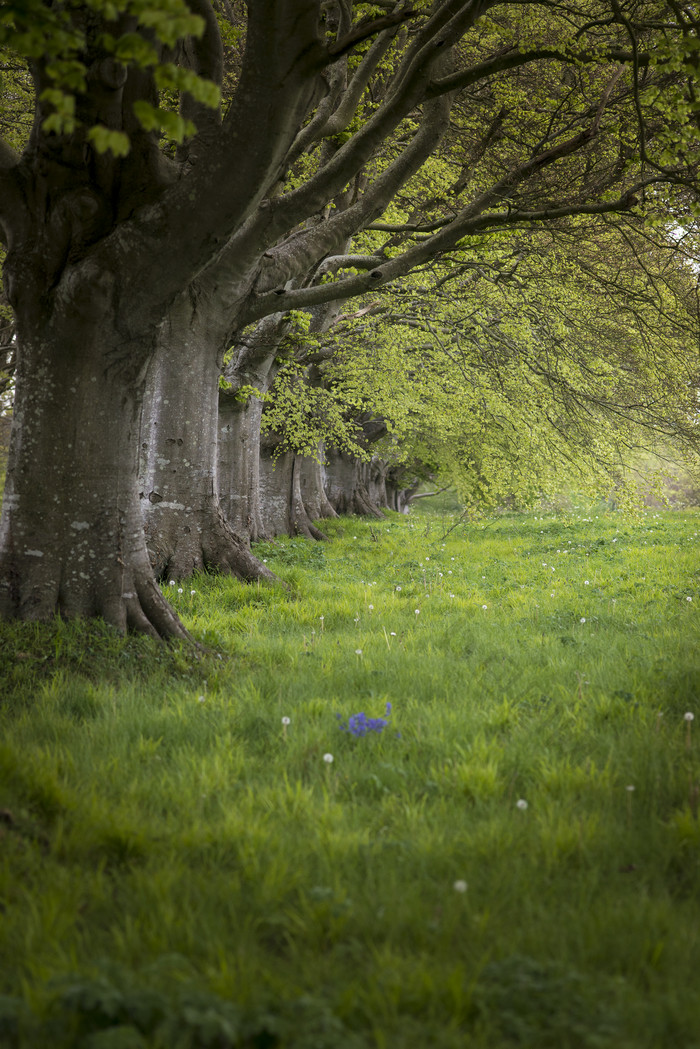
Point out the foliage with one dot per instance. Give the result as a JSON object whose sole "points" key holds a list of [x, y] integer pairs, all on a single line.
{"points": [[526, 361], [60, 38], [156, 811]]}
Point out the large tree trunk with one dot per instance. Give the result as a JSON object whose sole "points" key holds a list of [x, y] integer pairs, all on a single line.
{"points": [[253, 367], [346, 485], [282, 503], [186, 530], [80, 550], [312, 480], [398, 491], [239, 464], [264, 491]]}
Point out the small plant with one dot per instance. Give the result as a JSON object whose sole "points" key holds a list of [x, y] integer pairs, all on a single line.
{"points": [[360, 724]]}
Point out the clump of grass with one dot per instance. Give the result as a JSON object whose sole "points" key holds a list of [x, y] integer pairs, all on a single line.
{"points": [[476, 869]]}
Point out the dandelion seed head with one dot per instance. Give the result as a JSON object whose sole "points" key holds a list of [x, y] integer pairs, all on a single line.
{"points": [[689, 716], [358, 651], [286, 721], [179, 590], [328, 758], [521, 804], [583, 619], [460, 886]]}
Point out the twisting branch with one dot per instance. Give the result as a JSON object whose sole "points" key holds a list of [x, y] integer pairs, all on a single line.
{"points": [[369, 27]]}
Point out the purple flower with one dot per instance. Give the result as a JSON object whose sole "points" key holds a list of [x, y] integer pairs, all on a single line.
{"points": [[360, 724]]}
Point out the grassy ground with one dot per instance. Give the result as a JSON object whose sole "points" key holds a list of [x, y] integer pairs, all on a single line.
{"points": [[512, 860]]}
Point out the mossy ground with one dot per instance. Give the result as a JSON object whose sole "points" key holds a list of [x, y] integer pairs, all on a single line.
{"points": [[513, 861]]}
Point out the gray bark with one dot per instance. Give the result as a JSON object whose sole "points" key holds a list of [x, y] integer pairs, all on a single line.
{"points": [[312, 479], [347, 485], [239, 465], [284, 481], [186, 530], [253, 366], [77, 549]]}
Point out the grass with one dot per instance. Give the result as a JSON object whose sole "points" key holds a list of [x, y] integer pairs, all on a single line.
{"points": [[178, 868]]}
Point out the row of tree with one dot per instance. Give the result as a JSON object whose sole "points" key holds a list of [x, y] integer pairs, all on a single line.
{"points": [[458, 232]]}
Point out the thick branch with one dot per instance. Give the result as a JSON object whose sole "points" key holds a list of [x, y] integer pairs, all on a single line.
{"points": [[303, 250], [194, 218], [12, 206], [206, 56], [427, 249], [345, 262], [369, 27], [513, 58], [407, 92]]}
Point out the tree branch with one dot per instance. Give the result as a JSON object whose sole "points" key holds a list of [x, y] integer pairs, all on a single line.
{"points": [[369, 27], [513, 59], [12, 204], [405, 93], [404, 263], [302, 250], [206, 57], [193, 219]]}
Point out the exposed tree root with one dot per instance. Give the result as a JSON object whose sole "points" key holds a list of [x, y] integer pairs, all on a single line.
{"points": [[187, 542]]}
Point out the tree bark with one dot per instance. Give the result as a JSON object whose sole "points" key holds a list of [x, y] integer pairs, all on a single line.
{"points": [[253, 367], [80, 550], [282, 502], [346, 485], [239, 464], [312, 480], [398, 492], [186, 529]]}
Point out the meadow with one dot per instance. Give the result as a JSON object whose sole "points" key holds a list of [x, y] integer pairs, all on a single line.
{"points": [[439, 787]]}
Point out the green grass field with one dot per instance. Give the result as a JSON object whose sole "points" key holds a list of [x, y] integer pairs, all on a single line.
{"points": [[512, 860]]}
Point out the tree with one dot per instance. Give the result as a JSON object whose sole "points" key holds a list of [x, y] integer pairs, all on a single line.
{"points": [[109, 236], [546, 361]]}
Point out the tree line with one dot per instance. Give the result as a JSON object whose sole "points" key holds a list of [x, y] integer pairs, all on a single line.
{"points": [[458, 233]]}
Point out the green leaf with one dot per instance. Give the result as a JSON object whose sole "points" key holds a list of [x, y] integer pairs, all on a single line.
{"points": [[105, 140], [132, 48], [169, 77]]}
